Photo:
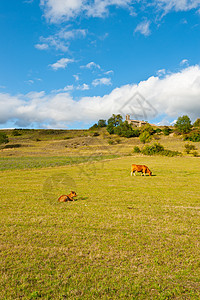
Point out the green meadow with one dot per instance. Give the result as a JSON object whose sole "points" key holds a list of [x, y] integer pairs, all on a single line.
{"points": [[123, 238]]}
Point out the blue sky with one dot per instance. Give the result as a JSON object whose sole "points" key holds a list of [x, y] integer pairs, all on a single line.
{"points": [[69, 63]]}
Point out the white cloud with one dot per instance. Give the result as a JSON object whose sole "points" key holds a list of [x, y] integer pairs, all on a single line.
{"points": [[184, 62], [71, 34], [102, 81], [174, 95], [83, 87], [62, 10], [76, 77], [65, 89], [143, 28], [91, 65], [161, 72], [61, 63], [176, 5], [109, 72], [42, 46], [52, 42], [60, 40]]}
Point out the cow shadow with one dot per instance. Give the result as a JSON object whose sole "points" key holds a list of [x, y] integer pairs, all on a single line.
{"points": [[81, 198]]}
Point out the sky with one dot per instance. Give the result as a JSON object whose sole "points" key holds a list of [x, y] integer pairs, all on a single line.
{"points": [[68, 63]]}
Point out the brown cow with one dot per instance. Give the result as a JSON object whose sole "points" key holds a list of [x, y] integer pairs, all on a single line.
{"points": [[140, 168], [65, 198]]}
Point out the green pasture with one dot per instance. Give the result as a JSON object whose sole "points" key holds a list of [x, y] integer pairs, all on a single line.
{"points": [[124, 238]]}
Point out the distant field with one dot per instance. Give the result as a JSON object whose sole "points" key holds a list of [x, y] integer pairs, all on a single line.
{"points": [[15, 163], [124, 238]]}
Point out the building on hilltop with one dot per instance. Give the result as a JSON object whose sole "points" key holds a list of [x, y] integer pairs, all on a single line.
{"points": [[135, 123]]}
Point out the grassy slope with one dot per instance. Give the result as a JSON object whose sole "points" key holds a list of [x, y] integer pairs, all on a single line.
{"points": [[125, 237]]}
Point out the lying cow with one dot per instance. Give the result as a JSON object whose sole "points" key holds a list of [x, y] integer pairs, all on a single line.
{"points": [[65, 198], [140, 168]]}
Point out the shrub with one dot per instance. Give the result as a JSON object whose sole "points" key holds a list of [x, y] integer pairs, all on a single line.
{"points": [[189, 147], [96, 134], [12, 146], [3, 138], [93, 127], [193, 136], [111, 142], [147, 128], [16, 132], [157, 148], [166, 130], [197, 123], [118, 141], [145, 137], [136, 149], [158, 130], [195, 154]]}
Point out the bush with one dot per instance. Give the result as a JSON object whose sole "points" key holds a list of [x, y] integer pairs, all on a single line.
{"points": [[157, 148], [193, 136], [147, 128], [16, 132], [166, 130], [189, 147], [111, 142], [136, 149], [195, 154], [145, 137], [12, 146], [158, 130], [118, 141], [93, 127], [3, 138], [197, 123], [96, 134]]}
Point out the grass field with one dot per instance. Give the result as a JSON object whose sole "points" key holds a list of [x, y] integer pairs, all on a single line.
{"points": [[124, 238]]}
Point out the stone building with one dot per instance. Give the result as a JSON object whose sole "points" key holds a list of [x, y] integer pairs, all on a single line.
{"points": [[135, 123]]}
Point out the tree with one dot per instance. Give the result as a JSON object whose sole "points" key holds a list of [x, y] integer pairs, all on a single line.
{"points": [[101, 123], [126, 130], [110, 128], [183, 124], [3, 138], [115, 120]]}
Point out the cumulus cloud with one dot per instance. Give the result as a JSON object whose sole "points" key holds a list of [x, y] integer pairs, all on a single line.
{"points": [[61, 63], [143, 28], [172, 95]]}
